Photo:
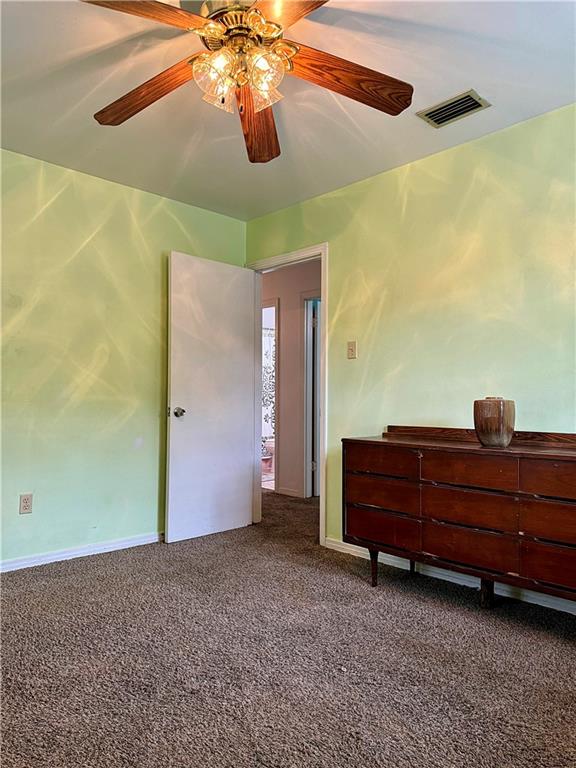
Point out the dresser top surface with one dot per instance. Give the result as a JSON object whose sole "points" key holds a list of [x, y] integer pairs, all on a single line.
{"points": [[559, 450]]}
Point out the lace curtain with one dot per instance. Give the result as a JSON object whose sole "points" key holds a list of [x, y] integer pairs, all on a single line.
{"points": [[268, 385]]}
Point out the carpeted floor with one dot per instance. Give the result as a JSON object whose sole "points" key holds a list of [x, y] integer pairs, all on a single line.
{"points": [[258, 648]]}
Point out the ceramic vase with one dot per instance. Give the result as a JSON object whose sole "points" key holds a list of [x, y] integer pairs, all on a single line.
{"points": [[494, 421]]}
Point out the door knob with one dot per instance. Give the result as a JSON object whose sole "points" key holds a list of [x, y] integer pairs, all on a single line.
{"points": [[179, 412]]}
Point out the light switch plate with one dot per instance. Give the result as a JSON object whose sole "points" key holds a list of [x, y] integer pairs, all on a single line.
{"points": [[352, 350]]}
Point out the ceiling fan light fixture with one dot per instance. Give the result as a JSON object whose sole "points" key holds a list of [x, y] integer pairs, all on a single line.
{"points": [[265, 70], [246, 50], [224, 102], [220, 73], [286, 51], [214, 74], [264, 99], [266, 30]]}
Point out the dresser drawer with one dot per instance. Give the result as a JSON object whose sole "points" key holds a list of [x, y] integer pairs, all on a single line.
{"points": [[459, 468], [382, 459], [546, 477], [480, 549], [473, 508], [394, 495], [550, 563], [383, 528], [550, 520]]}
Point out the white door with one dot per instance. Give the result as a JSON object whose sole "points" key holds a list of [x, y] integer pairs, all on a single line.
{"points": [[214, 386]]}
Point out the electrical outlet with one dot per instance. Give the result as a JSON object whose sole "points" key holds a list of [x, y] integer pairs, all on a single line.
{"points": [[352, 350], [25, 504]]}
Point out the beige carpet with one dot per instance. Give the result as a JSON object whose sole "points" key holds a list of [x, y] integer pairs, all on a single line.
{"points": [[257, 648]]}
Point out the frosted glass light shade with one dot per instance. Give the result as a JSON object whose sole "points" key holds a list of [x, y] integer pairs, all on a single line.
{"points": [[218, 74], [264, 99], [222, 101], [214, 74], [265, 71]]}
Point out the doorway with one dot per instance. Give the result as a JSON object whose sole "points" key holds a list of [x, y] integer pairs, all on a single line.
{"points": [[269, 392], [214, 394], [292, 349]]}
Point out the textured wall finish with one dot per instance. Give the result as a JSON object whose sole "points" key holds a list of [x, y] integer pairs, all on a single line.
{"points": [[84, 315], [456, 274]]}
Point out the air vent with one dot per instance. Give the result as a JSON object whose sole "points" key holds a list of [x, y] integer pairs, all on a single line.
{"points": [[453, 109]]}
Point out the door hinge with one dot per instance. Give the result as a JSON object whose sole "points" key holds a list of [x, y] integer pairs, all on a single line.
{"points": [[314, 322], [313, 466]]}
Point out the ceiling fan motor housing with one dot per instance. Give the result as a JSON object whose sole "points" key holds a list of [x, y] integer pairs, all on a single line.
{"points": [[242, 29], [214, 8]]}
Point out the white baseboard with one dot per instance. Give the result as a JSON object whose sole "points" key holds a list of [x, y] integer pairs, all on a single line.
{"points": [[539, 598], [16, 563]]}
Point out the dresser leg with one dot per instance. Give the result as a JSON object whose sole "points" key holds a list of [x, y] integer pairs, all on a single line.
{"points": [[486, 593], [374, 566]]}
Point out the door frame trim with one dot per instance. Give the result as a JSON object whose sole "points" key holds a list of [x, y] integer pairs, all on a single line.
{"points": [[257, 469], [311, 416], [269, 264]]}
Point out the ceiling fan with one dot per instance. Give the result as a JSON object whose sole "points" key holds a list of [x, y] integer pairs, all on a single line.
{"points": [[245, 60]]}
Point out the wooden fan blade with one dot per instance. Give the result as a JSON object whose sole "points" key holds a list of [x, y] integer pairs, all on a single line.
{"points": [[286, 12], [141, 97], [353, 80], [259, 128], [150, 9]]}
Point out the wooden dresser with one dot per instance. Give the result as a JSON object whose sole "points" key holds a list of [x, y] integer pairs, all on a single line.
{"points": [[436, 496]]}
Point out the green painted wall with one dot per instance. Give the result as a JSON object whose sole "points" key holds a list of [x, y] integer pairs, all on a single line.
{"points": [[456, 274], [84, 315]]}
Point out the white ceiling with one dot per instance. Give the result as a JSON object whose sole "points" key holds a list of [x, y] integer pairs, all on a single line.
{"points": [[62, 61]]}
